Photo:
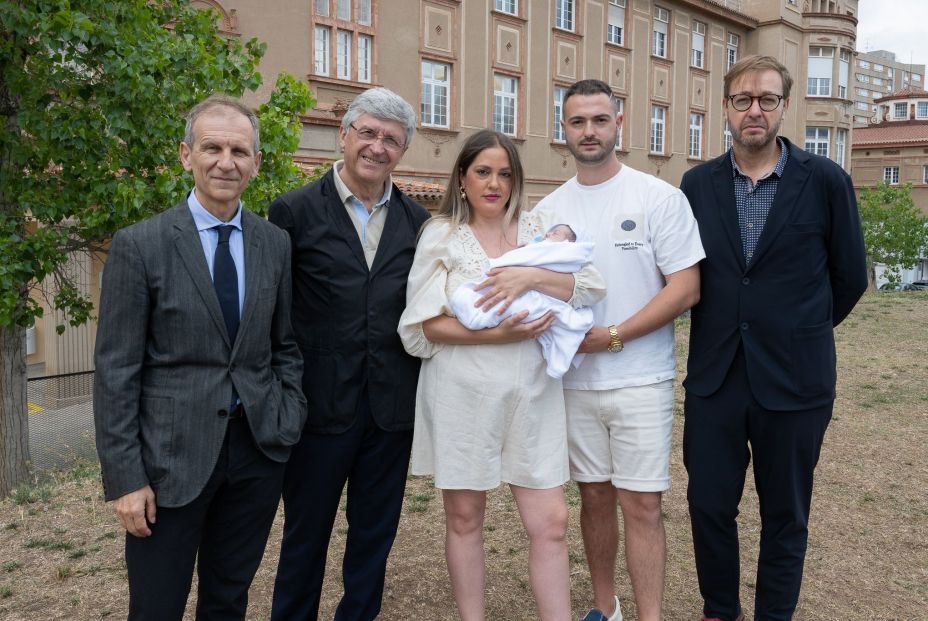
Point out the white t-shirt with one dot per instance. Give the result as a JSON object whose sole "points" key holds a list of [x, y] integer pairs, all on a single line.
{"points": [[643, 229]]}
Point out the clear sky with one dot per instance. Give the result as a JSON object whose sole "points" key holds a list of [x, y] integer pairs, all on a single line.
{"points": [[899, 26]]}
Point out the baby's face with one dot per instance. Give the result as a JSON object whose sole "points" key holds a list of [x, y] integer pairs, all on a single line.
{"points": [[558, 233]]}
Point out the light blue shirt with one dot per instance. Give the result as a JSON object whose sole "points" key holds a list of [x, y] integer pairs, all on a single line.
{"points": [[209, 238]]}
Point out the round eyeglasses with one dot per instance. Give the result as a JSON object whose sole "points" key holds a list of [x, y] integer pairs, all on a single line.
{"points": [[369, 136], [767, 103]]}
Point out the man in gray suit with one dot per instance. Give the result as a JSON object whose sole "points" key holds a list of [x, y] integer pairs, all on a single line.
{"points": [[197, 396]]}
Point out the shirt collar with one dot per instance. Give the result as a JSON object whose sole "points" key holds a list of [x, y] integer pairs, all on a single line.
{"points": [[205, 220], [345, 194], [777, 169]]}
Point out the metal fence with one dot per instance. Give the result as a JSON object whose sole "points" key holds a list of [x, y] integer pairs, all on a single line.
{"points": [[61, 420]]}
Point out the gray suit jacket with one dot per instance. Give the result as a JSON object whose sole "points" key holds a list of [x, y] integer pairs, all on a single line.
{"points": [[165, 367]]}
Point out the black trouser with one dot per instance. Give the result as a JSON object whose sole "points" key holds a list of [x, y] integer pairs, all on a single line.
{"points": [[785, 447], [374, 462], [227, 525]]}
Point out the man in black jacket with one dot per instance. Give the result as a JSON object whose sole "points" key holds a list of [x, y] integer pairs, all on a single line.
{"points": [[354, 236], [784, 265]]}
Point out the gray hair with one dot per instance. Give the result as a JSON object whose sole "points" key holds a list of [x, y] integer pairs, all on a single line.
{"points": [[383, 104], [219, 100]]}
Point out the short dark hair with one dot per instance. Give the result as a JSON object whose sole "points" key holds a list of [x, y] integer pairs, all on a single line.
{"points": [[755, 63], [591, 87]]}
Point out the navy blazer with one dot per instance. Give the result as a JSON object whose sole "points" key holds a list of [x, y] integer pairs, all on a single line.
{"points": [[807, 273], [345, 315]]}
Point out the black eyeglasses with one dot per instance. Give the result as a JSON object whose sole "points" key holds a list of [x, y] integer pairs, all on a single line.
{"points": [[369, 136], [742, 102]]}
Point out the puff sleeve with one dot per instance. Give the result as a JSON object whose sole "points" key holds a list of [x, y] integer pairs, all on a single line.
{"points": [[425, 290]]}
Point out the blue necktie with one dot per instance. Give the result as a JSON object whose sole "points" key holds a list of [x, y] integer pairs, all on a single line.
{"points": [[225, 281]]}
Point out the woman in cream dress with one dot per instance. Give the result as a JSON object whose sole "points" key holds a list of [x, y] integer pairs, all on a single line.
{"points": [[486, 411]]}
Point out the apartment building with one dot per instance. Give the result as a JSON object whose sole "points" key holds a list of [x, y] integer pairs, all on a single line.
{"points": [[506, 64], [876, 75]]}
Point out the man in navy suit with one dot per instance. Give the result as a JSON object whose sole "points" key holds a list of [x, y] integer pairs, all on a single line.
{"points": [[784, 265], [354, 237]]}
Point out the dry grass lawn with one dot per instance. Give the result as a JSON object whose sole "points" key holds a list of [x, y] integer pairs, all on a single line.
{"points": [[61, 551]]}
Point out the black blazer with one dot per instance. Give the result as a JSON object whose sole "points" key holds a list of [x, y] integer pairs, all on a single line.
{"points": [[345, 315], [807, 273]]}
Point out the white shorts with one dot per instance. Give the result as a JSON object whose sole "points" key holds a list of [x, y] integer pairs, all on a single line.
{"points": [[621, 435]]}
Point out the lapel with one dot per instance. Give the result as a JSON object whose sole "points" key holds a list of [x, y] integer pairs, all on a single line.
{"points": [[390, 240], [188, 246], [724, 189], [253, 238], [338, 214], [786, 201]]}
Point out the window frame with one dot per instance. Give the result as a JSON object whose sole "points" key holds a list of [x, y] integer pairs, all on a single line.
{"points": [[498, 96], [905, 110], [821, 144], [343, 64], [435, 84], [891, 175], [840, 146], [696, 134], [664, 50], [620, 5], [732, 45], [658, 130], [620, 133], [693, 51], [565, 15], [322, 57]]}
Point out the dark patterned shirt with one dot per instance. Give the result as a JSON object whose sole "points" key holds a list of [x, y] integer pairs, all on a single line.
{"points": [[753, 201]]}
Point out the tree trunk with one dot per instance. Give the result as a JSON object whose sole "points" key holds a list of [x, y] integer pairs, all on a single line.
{"points": [[14, 422]]}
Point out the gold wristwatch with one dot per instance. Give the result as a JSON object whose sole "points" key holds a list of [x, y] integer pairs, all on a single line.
{"points": [[615, 343]]}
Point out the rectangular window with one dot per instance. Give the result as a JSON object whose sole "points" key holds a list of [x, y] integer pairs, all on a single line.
{"points": [[620, 106], [891, 175], [564, 14], [877, 82], [916, 77], [843, 71], [733, 41], [925, 175], [507, 6], [557, 132], [901, 111], [343, 55], [322, 8], [505, 104], [343, 10], [921, 110], [615, 29], [863, 78], [365, 47], [321, 51], [863, 92], [364, 12], [863, 64], [840, 142], [819, 71], [889, 72], [862, 105], [658, 127], [817, 139], [695, 135], [697, 58], [659, 32], [436, 89], [726, 137], [878, 67]]}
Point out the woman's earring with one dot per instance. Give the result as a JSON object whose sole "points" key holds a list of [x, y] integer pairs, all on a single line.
{"points": [[463, 194]]}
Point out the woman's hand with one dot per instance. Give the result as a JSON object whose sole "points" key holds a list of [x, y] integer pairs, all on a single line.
{"points": [[511, 329], [503, 285]]}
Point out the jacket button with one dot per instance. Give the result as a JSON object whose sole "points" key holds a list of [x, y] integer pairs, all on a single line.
{"points": [[745, 281], [745, 326], [222, 413]]}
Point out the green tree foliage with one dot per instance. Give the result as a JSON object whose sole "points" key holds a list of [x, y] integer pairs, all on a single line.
{"points": [[895, 230], [92, 99]]}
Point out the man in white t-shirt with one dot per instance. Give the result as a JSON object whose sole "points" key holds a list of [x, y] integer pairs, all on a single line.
{"points": [[620, 399]]}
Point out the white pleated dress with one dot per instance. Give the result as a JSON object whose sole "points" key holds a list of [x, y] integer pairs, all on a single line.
{"points": [[485, 414]]}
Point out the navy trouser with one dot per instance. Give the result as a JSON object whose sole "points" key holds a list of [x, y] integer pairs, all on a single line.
{"points": [[721, 434], [227, 525], [374, 463]]}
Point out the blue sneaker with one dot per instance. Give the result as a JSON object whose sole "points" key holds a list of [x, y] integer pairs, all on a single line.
{"points": [[595, 615]]}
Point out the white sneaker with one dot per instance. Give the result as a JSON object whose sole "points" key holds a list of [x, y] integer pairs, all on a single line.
{"points": [[617, 615]]}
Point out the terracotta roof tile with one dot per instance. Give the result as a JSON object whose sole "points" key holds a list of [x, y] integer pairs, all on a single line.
{"points": [[891, 133], [908, 92]]}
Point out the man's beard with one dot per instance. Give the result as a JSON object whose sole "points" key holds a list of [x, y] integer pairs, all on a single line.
{"points": [[757, 143], [595, 157]]}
